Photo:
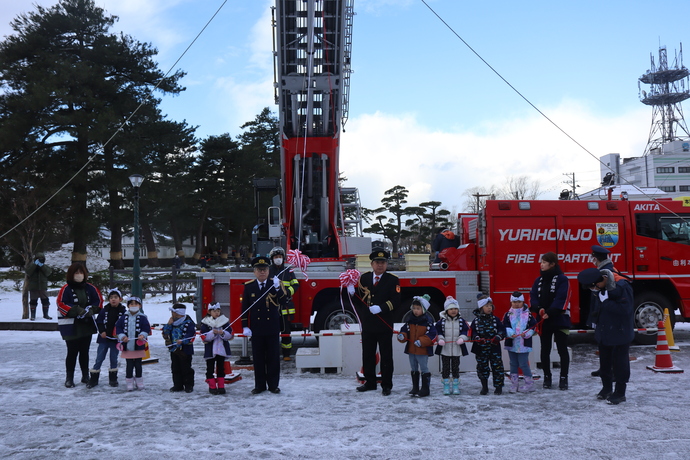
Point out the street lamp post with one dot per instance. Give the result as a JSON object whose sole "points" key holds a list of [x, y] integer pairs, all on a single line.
{"points": [[136, 180]]}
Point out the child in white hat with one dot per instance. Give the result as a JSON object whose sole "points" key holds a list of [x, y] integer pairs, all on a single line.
{"points": [[452, 333]]}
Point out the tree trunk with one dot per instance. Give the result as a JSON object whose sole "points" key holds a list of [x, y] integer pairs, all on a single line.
{"points": [[151, 251], [115, 214], [81, 212], [199, 250]]}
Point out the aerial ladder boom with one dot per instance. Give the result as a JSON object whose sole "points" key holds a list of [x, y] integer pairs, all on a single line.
{"points": [[312, 62]]}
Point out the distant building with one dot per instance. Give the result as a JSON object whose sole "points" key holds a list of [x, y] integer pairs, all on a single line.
{"points": [[666, 168]]}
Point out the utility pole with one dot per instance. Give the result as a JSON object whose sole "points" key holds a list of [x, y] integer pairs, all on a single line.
{"points": [[573, 186], [478, 196]]}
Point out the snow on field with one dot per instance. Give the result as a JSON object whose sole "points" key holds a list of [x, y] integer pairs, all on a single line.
{"points": [[322, 416]]}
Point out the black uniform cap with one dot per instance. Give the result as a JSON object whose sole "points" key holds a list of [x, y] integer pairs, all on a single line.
{"points": [[379, 255], [260, 262]]}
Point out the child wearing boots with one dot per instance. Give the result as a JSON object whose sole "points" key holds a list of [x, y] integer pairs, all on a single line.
{"points": [[419, 334], [486, 332], [452, 333], [179, 334], [519, 324], [133, 330], [215, 333], [106, 340]]}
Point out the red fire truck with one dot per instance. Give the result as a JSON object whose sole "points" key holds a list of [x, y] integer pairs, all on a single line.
{"points": [[649, 242]]}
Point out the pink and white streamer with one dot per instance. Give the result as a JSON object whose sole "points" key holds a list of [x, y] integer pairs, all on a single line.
{"points": [[299, 260], [349, 278]]}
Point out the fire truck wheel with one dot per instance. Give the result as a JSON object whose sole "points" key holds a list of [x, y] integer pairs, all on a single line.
{"points": [[649, 310], [332, 316]]}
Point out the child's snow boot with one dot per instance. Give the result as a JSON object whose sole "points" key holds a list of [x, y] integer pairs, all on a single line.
{"points": [[130, 384], [485, 387], [85, 375], [212, 386], [112, 377], [93, 378], [528, 387], [514, 383], [456, 386], [426, 380], [446, 386], [415, 383], [563, 382], [547, 380], [140, 382], [498, 390], [220, 382]]}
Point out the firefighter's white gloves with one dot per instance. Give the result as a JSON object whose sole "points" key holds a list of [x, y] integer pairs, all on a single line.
{"points": [[87, 310], [460, 341], [276, 283], [375, 309], [351, 290], [247, 332], [418, 343], [441, 342]]}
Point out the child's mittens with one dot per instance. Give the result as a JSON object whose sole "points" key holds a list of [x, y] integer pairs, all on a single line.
{"points": [[441, 342], [119, 346], [417, 343], [401, 337], [141, 342], [460, 341]]}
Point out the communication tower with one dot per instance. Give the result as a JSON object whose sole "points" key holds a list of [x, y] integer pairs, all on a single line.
{"points": [[669, 87]]}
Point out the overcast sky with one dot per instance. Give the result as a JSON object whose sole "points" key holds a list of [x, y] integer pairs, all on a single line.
{"points": [[425, 112]]}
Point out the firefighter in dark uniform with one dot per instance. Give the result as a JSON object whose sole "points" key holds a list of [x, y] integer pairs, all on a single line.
{"points": [[379, 295], [261, 302], [287, 308]]}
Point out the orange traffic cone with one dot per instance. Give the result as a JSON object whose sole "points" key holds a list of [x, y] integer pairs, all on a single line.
{"points": [[669, 332], [663, 363]]}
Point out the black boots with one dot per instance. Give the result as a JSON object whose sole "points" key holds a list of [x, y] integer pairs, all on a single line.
{"points": [[69, 380], [45, 313], [33, 312], [426, 380], [112, 377], [485, 387], [415, 383], [563, 382], [93, 378], [547, 381]]}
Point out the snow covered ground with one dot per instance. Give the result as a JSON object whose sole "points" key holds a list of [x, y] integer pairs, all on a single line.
{"points": [[322, 416]]}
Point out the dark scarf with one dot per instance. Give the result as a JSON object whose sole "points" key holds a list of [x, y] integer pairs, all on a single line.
{"points": [[546, 288]]}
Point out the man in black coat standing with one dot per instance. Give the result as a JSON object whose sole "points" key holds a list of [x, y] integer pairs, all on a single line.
{"points": [[261, 302], [613, 322], [379, 295]]}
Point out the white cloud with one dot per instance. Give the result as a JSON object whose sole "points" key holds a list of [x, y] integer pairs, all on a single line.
{"points": [[380, 150]]}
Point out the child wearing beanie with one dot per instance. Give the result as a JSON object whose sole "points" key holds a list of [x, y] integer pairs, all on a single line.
{"points": [[419, 333], [519, 324], [487, 331], [452, 333]]}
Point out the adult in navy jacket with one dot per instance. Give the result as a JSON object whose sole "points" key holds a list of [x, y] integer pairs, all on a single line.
{"points": [[613, 315], [78, 303], [550, 301]]}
